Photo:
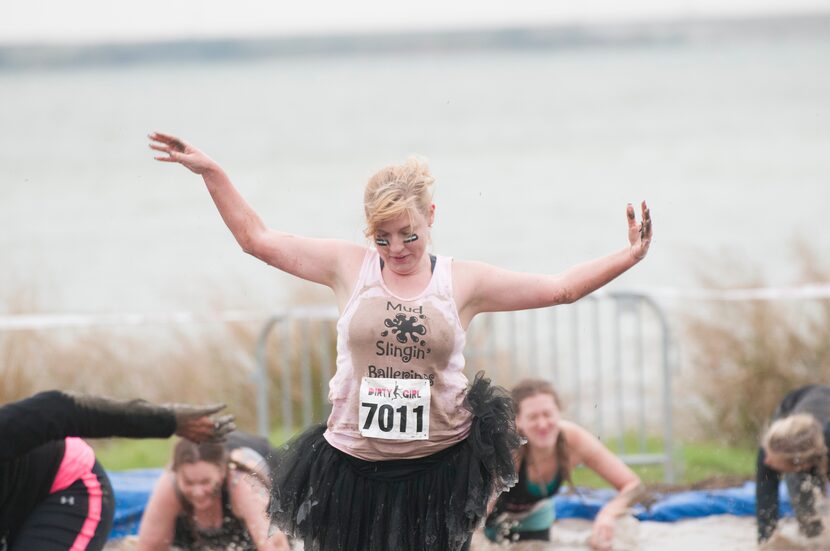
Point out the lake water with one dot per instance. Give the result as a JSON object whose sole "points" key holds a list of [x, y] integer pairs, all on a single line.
{"points": [[536, 153]]}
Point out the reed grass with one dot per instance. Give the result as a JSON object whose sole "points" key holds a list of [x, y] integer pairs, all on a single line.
{"points": [[743, 357]]}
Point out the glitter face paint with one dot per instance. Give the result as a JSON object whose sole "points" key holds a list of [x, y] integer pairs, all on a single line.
{"points": [[383, 242]]}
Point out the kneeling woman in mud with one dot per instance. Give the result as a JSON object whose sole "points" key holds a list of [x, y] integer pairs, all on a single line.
{"points": [[215, 496], [795, 446], [553, 449]]}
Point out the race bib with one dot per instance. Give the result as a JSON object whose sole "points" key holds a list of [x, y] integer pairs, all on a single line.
{"points": [[394, 409]]}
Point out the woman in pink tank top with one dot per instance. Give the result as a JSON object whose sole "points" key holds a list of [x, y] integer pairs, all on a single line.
{"points": [[411, 453]]}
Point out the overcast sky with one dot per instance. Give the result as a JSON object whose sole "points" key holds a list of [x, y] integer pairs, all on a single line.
{"points": [[105, 20]]}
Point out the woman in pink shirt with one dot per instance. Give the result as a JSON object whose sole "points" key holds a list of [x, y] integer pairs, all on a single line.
{"points": [[412, 451]]}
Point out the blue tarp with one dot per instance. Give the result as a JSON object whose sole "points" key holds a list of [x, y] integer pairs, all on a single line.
{"points": [[133, 488], [673, 506]]}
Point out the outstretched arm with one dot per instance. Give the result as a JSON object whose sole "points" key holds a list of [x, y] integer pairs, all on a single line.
{"points": [[53, 415], [589, 450], [323, 261], [485, 288], [249, 502]]}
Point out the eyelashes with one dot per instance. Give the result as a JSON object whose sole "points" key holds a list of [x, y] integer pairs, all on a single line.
{"points": [[383, 242]]}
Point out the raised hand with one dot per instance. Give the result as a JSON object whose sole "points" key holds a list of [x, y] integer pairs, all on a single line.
{"points": [[639, 235], [179, 151], [195, 423]]}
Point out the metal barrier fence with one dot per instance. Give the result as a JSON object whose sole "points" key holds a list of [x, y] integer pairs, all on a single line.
{"points": [[608, 355]]}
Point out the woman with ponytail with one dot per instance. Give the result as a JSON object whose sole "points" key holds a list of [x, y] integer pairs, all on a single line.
{"points": [[553, 449]]}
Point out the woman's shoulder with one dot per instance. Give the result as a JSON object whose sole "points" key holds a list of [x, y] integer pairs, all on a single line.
{"points": [[353, 252], [166, 492], [465, 273], [572, 430], [242, 485], [579, 440], [463, 266]]}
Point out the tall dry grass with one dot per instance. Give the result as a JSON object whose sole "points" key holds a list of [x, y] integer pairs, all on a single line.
{"points": [[745, 356], [195, 363], [160, 364]]}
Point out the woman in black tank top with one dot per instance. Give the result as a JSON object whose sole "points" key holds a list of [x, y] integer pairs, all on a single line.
{"points": [[230, 534], [214, 497]]}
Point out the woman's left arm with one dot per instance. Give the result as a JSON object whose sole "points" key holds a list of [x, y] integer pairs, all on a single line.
{"points": [[587, 449], [486, 288], [249, 502]]}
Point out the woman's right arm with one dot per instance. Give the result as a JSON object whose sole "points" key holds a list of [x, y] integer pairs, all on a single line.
{"points": [[159, 520], [249, 502], [325, 261], [53, 415]]}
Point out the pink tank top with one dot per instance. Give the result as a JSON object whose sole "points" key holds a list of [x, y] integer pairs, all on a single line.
{"points": [[78, 460], [400, 384]]}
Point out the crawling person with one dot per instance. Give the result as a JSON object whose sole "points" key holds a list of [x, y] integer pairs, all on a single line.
{"points": [[555, 447], [214, 496], [795, 447], [54, 495]]}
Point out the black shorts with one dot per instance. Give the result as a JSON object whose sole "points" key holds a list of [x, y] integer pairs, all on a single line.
{"points": [[58, 521]]}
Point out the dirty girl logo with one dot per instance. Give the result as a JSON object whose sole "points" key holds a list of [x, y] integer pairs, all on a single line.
{"points": [[407, 328]]}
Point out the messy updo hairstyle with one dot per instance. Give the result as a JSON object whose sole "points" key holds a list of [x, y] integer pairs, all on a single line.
{"points": [[528, 388], [187, 452], [397, 189], [799, 439]]}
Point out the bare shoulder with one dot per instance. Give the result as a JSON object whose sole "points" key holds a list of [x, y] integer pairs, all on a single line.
{"points": [[351, 254], [468, 268], [349, 259], [166, 487], [579, 440], [578, 435], [163, 506], [243, 486], [465, 277], [248, 496]]}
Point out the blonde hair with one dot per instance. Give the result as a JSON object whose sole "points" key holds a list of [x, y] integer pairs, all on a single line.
{"points": [[396, 189], [799, 439], [528, 388]]}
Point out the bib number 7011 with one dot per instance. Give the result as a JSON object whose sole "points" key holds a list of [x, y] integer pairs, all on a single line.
{"points": [[386, 417], [394, 409]]}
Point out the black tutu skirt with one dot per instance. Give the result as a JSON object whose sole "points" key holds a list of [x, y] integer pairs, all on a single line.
{"points": [[333, 501]]}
